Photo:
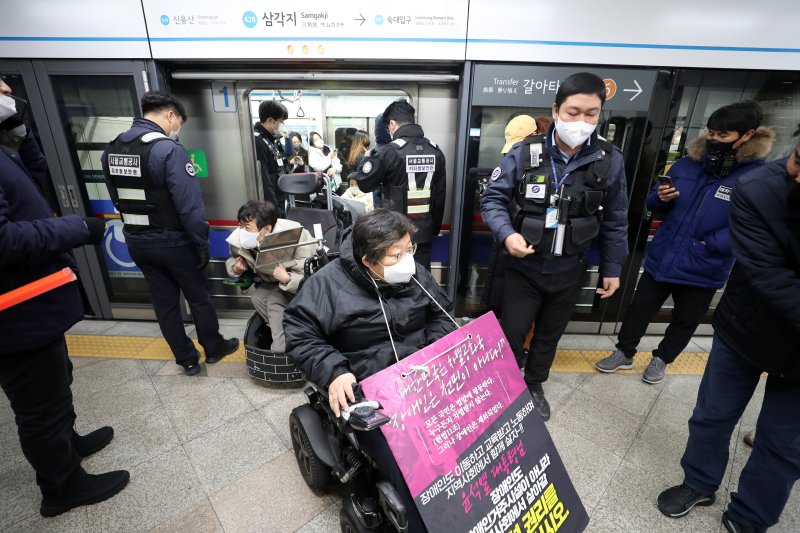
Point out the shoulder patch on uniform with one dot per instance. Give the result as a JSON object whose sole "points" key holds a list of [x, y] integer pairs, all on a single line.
{"points": [[366, 168], [432, 143], [399, 142], [190, 169], [496, 173], [152, 136]]}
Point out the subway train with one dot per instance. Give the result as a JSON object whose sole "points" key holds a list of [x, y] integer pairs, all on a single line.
{"points": [[467, 67]]}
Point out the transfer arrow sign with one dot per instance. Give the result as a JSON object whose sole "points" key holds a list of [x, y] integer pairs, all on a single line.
{"points": [[637, 90], [362, 19]]}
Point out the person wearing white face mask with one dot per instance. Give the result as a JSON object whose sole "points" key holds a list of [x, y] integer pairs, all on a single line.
{"points": [[362, 312], [151, 181], [270, 152], [552, 194], [321, 158], [275, 286]]}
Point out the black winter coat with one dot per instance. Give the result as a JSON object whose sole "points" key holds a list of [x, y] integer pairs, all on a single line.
{"points": [[759, 314], [34, 244], [334, 325]]}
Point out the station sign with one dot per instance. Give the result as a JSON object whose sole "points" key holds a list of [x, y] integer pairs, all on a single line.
{"points": [[536, 86], [308, 30]]}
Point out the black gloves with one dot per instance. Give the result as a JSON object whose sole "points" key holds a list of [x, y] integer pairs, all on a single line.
{"points": [[96, 227], [204, 258]]}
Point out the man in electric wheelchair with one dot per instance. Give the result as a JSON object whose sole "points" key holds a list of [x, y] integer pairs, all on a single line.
{"points": [[354, 317]]}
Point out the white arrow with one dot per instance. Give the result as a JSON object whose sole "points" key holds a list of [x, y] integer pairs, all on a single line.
{"points": [[637, 90]]}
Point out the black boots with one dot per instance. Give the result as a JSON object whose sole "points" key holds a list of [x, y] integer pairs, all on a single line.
{"points": [[92, 442], [83, 489]]}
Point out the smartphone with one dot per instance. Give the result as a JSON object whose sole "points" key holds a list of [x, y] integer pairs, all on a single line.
{"points": [[666, 180]]}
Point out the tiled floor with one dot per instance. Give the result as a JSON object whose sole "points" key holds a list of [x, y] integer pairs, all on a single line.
{"points": [[212, 452]]}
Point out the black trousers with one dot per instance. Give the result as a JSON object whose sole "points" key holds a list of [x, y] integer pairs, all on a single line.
{"points": [[37, 383], [375, 445], [423, 254], [547, 299], [691, 304], [168, 271]]}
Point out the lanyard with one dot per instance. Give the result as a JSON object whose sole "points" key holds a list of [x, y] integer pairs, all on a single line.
{"points": [[557, 182]]}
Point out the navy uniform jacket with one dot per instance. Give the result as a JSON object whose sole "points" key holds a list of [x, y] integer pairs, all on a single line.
{"points": [[759, 313], [613, 229], [168, 167], [34, 244]]}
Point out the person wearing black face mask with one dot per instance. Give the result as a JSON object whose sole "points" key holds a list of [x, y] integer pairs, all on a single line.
{"points": [[690, 256], [35, 369]]}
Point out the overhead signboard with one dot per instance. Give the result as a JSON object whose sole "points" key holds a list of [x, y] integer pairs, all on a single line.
{"points": [[94, 29], [308, 30], [681, 33], [536, 86]]}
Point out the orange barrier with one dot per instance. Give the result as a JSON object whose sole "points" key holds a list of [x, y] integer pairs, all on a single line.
{"points": [[35, 288]]}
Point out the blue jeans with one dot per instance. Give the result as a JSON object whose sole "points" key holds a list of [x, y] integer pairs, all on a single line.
{"points": [[774, 465]]}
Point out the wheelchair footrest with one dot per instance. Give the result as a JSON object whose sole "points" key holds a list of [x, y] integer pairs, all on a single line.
{"points": [[392, 506]]}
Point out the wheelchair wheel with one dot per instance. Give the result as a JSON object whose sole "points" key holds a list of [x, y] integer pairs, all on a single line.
{"points": [[349, 522], [316, 474]]}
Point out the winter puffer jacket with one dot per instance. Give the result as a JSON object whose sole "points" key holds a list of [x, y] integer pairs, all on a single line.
{"points": [[334, 325], [692, 245]]}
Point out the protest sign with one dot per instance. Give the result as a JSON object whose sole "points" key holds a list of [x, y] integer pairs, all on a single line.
{"points": [[473, 450]]}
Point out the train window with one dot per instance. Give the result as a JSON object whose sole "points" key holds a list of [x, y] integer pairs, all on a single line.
{"points": [[335, 114]]}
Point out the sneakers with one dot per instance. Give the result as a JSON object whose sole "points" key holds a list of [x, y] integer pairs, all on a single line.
{"points": [[88, 489], [93, 442], [677, 501], [615, 361], [227, 347], [654, 373], [539, 400], [736, 527]]}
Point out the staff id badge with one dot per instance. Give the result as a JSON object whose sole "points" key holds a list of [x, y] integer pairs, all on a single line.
{"points": [[551, 218], [536, 187]]}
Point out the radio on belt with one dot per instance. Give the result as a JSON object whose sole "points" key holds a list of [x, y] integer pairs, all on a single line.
{"points": [[561, 227]]}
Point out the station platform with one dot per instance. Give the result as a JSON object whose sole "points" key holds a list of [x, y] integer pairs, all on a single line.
{"points": [[212, 453]]}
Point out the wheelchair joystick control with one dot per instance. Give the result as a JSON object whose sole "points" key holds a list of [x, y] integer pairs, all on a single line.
{"points": [[363, 412]]}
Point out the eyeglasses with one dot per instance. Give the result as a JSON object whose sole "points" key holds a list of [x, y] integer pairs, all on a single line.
{"points": [[411, 251]]}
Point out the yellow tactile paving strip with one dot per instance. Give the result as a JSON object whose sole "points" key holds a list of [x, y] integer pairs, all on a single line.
{"points": [[156, 348], [117, 347]]}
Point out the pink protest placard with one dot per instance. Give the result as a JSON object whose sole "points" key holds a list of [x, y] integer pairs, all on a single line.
{"points": [[475, 454]]}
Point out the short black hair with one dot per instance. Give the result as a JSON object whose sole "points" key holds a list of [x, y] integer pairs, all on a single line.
{"points": [[272, 109], [376, 231], [264, 213], [581, 83], [740, 117], [154, 101], [400, 111]]}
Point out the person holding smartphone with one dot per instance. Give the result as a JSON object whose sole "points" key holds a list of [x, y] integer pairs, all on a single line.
{"points": [[690, 256]]}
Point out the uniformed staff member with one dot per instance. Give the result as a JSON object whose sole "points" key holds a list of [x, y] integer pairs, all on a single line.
{"points": [[551, 195], [35, 368], [409, 174], [270, 151], [151, 182]]}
